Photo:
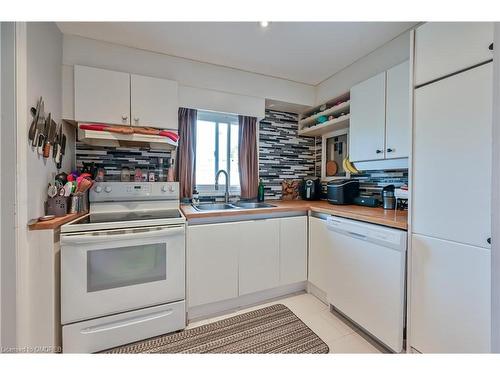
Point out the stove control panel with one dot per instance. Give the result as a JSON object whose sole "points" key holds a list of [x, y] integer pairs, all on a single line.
{"points": [[134, 191]]}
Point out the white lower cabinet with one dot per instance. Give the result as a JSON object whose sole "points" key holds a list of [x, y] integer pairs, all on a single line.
{"points": [[212, 262], [293, 250], [228, 260], [318, 253], [259, 255], [450, 297]]}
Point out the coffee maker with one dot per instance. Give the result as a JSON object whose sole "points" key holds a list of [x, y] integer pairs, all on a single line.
{"points": [[310, 188]]}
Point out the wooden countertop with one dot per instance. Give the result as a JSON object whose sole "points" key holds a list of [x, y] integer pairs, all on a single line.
{"points": [[56, 222], [391, 218]]}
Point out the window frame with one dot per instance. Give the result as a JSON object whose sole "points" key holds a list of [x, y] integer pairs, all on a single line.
{"points": [[219, 118]]}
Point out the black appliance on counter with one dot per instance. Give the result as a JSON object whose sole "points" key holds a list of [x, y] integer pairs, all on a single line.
{"points": [[342, 191], [366, 201], [310, 188]]}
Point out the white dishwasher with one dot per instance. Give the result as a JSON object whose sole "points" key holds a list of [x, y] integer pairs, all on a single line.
{"points": [[367, 277]]}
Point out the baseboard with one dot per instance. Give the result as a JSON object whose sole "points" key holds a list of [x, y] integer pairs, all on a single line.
{"points": [[228, 306], [317, 292]]}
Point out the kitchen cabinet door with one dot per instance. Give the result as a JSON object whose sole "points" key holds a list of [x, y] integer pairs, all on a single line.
{"points": [[367, 123], [154, 102], [397, 125], [293, 249], [443, 48], [212, 262], [450, 297], [102, 96], [452, 158], [258, 243], [318, 253]]}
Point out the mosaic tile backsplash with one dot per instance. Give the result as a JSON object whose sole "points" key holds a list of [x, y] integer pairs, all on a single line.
{"points": [[112, 159], [282, 153]]}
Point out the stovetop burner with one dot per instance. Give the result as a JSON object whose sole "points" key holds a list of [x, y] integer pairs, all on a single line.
{"points": [[114, 217]]}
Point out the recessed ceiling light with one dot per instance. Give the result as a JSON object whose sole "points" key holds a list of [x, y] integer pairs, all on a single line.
{"points": [[264, 23]]}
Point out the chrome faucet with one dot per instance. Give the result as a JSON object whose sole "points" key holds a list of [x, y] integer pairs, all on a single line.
{"points": [[226, 195]]}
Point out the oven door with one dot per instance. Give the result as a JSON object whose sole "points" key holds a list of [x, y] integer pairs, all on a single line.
{"points": [[107, 272]]}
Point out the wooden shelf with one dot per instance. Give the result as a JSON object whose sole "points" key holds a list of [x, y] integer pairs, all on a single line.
{"points": [[54, 223], [326, 127], [342, 107]]}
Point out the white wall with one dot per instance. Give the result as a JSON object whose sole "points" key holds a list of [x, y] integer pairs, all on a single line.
{"points": [[244, 88], [39, 64], [44, 65], [390, 54], [7, 187], [495, 222]]}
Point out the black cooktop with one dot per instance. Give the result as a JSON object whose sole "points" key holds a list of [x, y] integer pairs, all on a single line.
{"points": [[113, 217]]}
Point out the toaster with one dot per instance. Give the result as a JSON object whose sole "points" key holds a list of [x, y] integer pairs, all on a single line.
{"points": [[342, 191]]}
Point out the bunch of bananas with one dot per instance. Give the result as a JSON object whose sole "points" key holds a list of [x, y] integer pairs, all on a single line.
{"points": [[348, 167]]}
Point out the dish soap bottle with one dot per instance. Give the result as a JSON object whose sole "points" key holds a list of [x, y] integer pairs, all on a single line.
{"points": [[260, 191]]}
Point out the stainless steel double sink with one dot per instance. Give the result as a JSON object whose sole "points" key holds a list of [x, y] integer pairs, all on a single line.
{"points": [[231, 206]]}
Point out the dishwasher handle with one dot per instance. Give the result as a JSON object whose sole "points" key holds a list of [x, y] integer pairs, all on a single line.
{"points": [[357, 235]]}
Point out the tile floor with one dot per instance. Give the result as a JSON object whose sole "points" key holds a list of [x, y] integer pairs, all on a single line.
{"points": [[340, 336]]}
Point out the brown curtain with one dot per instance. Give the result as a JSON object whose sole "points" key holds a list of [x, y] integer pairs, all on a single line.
{"points": [[247, 155], [186, 152]]}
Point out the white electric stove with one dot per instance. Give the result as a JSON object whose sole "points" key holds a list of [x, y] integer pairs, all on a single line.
{"points": [[123, 267]]}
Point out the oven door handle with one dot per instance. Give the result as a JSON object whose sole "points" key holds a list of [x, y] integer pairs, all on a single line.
{"points": [[125, 322], [119, 235]]}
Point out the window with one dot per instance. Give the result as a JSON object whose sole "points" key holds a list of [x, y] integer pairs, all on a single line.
{"points": [[216, 149]]}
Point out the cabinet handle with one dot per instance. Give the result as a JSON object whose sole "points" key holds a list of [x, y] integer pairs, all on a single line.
{"points": [[489, 240], [124, 117], [379, 151], [490, 47], [136, 119], [390, 150]]}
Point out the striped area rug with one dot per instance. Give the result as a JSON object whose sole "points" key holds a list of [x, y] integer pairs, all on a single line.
{"points": [[273, 329]]}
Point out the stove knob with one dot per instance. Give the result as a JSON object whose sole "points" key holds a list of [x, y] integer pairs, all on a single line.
{"points": [[164, 188], [170, 188], [107, 189], [98, 189]]}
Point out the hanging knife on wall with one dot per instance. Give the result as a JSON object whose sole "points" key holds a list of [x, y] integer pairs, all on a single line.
{"points": [[51, 137], [60, 151], [57, 143], [44, 134], [35, 112], [40, 125]]}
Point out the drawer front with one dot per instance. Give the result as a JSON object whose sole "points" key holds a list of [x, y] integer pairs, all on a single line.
{"points": [[103, 333]]}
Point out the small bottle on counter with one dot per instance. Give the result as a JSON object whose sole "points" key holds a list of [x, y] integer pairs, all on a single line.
{"points": [[161, 173], [125, 174], [138, 175], [170, 173], [196, 197], [260, 191]]}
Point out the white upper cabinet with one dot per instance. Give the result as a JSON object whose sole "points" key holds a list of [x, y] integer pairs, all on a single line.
{"points": [[444, 48], [102, 96], [121, 98], [397, 125], [452, 158], [367, 124], [380, 116], [154, 102]]}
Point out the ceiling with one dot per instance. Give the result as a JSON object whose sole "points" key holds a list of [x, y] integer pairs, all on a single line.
{"points": [[306, 52]]}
